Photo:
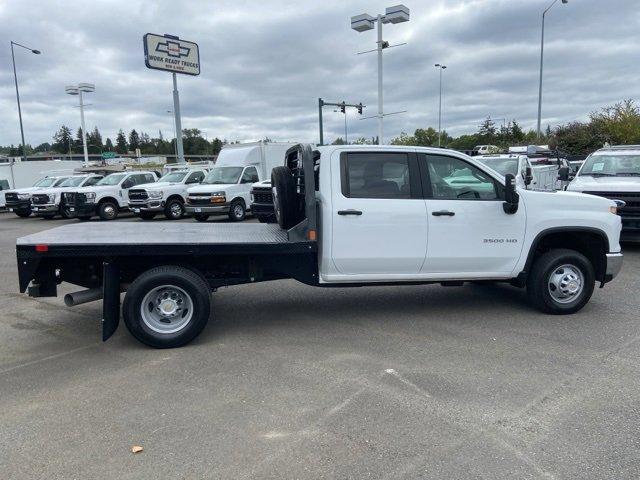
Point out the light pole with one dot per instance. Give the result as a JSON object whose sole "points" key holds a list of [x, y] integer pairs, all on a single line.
{"points": [[15, 77], [541, 63], [78, 90], [175, 142], [364, 22], [441, 68]]}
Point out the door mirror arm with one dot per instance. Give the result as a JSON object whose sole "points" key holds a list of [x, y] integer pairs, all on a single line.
{"points": [[511, 197]]}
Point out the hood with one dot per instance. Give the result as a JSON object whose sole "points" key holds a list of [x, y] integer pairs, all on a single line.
{"points": [[210, 187], [155, 185], [96, 188], [598, 184], [26, 190]]}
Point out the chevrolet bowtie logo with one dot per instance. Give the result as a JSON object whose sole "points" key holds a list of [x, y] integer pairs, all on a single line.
{"points": [[173, 49]]}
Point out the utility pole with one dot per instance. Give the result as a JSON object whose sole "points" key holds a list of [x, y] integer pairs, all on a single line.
{"points": [[441, 68], [15, 77]]}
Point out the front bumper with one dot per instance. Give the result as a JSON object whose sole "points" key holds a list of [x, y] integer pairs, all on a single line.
{"points": [[20, 206], [148, 206], [208, 209], [614, 265], [46, 209], [83, 210]]}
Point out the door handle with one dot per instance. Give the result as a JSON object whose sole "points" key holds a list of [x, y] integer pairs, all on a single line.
{"points": [[443, 213], [349, 212]]}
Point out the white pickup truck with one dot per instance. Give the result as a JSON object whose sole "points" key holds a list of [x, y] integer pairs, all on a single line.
{"points": [[167, 195], [47, 202], [347, 216], [18, 200], [107, 197], [614, 173], [528, 175]]}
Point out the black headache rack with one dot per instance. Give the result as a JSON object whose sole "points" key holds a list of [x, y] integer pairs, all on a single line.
{"points": [[104, 259]]}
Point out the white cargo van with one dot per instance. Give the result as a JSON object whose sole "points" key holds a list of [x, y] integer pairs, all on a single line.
{"points": [[227, 187]]}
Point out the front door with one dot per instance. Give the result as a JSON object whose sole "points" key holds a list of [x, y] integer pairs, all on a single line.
{"points": [[469, 232], [378, 215]]}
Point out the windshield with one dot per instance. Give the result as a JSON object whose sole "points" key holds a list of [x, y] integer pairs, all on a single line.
{"points": [[112, 179], [502, 165], [45, 182], [60, 181], [173, 177], [612, 165], [222, 175], [72, 182]]}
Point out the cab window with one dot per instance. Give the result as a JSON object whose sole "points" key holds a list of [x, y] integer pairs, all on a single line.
{"points": [[451, 178], [250, 175], [92, 181], [195, 177], [375, 175]]}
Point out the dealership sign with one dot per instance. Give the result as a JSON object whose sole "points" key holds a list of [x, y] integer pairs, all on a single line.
{"points": [[167, 52]]}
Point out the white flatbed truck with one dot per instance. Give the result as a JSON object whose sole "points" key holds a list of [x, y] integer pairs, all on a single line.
{"points": [[347, 216]]}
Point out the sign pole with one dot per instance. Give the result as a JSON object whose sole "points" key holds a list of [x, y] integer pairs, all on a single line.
{"points": [[176, 112]]}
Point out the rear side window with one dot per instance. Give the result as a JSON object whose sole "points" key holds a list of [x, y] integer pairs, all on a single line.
{"points": [[149, 178], [375, 175]]}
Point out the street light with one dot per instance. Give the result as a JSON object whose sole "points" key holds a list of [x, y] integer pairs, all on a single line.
{"points": [[15, 77], [362, 23], [541, 62], [441, 68], [78, 90]]}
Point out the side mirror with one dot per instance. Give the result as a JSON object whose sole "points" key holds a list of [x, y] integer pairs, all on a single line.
{"points": [[563, 174], [528, 176], [511, 197]]}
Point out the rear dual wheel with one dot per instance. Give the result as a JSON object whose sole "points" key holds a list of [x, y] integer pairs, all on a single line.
{"points": [[167, 306]]}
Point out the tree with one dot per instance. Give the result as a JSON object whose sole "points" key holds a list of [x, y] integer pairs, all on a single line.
{"points": [[487, 129], [618, 124], [121, 143], [62, 140], [517, 135], [95, 138], [108, 145], [134, 140], [338, 141], [216, 146], [43, 147]]}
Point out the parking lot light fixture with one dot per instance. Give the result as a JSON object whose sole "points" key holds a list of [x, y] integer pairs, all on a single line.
{"points": [[440, 67], [362, 23], [15, 78], [79, 90], [539, 132]]}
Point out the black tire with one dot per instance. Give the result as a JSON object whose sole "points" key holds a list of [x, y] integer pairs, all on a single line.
{"points": [[174, 209], [84, 218], [65, 213], [262, 219], [284, 197], [201, 217], [108, 210], [147, 215], [540, 281], [237, 211], [190, 282], [23, 213]]}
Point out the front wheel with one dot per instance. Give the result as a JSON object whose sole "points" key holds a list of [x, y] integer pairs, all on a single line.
{"points": [[237, 211], [167, 306], [108, 211], [561, 281], [174, 210]]}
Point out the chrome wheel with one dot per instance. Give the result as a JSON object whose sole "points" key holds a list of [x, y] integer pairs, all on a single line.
{"points": [[238, 210], [566, 283], [166, 309], [109, 211], [175, 210]]}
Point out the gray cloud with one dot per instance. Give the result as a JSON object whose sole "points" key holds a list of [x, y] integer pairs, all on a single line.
{"points": [[264, 64]]}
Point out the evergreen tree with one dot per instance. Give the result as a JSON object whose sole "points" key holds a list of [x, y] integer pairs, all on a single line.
{"points": [[95, 138], [121, 143], [487, 128], [134, 140], [62, 140], [108, 145]]}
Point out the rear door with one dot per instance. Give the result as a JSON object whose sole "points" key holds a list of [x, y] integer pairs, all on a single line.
{"points": [[378, 214], [469, 232]]}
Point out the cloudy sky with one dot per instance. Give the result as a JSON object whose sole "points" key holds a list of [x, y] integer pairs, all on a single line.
{"points": [[265, 63]]}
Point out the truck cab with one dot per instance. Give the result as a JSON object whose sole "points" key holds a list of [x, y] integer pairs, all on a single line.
{"points": [[167, 195], [18, 201], [614, 173], [107, 197], [47, 202]]}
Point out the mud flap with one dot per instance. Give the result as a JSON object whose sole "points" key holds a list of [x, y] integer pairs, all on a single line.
{"points": [[110, 299]]}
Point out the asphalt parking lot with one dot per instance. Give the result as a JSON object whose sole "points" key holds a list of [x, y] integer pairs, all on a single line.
{"points": [[290, 381]]}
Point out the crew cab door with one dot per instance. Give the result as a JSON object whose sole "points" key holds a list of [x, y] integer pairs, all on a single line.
{"points": [[469, 232], [379, 223]]}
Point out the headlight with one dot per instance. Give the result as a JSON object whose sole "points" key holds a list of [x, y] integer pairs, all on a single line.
{"points": [[613, 209], [24, 196], [52, 198], [218, 197], [157, 194], [90, 196], [251, 195]]}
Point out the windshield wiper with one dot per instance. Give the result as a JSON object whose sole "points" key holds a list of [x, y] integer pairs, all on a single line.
{"points": [[598, 174], [627, 174]]}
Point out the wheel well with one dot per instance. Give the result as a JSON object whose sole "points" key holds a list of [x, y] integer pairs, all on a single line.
{"points": [[109, 199], [240, 199], [591, 243], [175, 196]]}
